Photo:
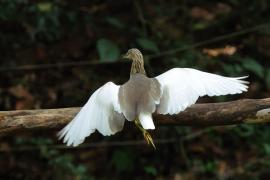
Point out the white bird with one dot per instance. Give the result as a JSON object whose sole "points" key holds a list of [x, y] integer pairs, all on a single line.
{"points": [[136, 100]]}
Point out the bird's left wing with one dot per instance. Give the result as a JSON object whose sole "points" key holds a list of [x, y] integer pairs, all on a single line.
{"points": [[102, 112], [181, 87]]}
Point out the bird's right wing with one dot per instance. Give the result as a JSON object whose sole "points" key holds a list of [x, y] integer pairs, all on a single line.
{"points": [[181, 87], [101, 112]]}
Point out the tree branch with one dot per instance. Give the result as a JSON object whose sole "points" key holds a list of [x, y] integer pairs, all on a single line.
{"points": [[210, 114]]}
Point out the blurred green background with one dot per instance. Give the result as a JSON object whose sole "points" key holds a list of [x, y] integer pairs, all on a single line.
{"points": [[56, 53]]}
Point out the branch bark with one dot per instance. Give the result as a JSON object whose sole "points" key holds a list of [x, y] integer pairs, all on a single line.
{"points": [[210, 114]]}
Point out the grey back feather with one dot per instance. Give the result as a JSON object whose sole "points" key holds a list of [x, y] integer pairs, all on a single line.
{"points": [[139, 94]]}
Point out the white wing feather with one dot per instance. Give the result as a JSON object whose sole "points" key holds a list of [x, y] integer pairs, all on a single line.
{"points": [[183, 86], [101, 112]]}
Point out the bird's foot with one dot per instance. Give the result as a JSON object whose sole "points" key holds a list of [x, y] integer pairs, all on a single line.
{"points": [[148, 139], [145, 133]]}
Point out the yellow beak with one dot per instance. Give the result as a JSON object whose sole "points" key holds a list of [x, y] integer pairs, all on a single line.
{"points": [[125, 56]]}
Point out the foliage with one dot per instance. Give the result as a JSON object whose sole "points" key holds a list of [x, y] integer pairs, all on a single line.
{"points": [[123, 161], [147, 44], [60, 165], [56, 32], [108, 51]]}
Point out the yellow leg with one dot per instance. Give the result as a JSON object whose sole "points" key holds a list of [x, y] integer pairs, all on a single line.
{"points": [[146, 134]]}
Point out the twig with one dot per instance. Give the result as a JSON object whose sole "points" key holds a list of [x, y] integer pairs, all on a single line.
{"points": [[210, 41], [107, 143], [141, 16], [56, 65], [164, 53], [89, 145]]}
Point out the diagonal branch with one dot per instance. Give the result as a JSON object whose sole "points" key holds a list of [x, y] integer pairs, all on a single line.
{"points": [[151, 56], [210, 114]]}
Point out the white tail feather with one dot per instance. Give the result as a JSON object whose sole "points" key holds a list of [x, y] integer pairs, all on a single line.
{"points": [[146, 120]]}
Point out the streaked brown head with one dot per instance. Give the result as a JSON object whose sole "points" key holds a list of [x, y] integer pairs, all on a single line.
{"points": [[137, 61], [133, 54]]}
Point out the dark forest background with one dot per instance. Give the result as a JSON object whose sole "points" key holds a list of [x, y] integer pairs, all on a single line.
{"points": [[54, 54]]}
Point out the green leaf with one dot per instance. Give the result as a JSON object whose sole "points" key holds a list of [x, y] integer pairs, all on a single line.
{"points": [[108, 50], [147, 44], [115, 22], [150, 170], [253, 66], [229, 68], [200, 26], [123, 160], [267, 79], [244, 130], [267, 148], [45, 6], [210, 166]]}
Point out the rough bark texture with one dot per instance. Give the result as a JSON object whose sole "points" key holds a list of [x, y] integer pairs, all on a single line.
{"points": [[210, 114]]}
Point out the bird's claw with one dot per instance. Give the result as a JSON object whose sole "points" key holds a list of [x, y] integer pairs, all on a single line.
{"points": [[146, 134], [149, 139]]}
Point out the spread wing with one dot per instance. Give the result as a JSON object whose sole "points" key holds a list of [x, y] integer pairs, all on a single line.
{"points": [[183, 86], [101, 112]]}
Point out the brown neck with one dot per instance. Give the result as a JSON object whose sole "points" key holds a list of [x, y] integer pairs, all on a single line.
{"points": [[137, 66]]}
